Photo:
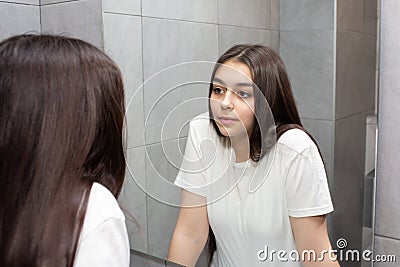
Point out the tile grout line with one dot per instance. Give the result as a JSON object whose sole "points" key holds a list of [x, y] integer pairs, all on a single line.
{"points": [[387, 237], [144, 163]]}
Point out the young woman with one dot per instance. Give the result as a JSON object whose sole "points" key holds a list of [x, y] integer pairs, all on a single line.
{"points": [[62, 163], [253, 197]]}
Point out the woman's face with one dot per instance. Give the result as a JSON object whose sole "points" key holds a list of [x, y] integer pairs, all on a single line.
{"points": [[232, 99]]}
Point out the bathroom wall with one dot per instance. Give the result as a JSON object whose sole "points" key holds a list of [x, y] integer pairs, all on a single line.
{"points": [[19, 16], [307, 46], [329, 48], [78, 18], [354, 101], [145, 37], [387, 214]]}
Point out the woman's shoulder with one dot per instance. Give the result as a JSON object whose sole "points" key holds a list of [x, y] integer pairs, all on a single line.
{"points": [[296, 140], [101, 207], [103, 240]]}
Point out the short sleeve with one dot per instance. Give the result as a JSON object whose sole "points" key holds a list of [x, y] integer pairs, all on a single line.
{"points": [[104, 238], [107, 245], [306, 185], [191, 173]]}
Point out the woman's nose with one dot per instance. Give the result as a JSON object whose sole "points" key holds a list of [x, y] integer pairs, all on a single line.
{"points": [[226, 103]]}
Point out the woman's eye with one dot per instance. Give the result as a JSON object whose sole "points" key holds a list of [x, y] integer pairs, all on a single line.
{"points": [[218, 90], [243, 94]]}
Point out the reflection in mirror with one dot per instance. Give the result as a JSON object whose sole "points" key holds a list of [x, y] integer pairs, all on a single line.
{"points": [[329, 49]]}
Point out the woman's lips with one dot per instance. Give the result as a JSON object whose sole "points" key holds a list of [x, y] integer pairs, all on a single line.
{"points": [[226, 120]]}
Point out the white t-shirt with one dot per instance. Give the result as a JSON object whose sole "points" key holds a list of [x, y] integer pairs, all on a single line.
{"points": [[103, 241], [249, 203]]}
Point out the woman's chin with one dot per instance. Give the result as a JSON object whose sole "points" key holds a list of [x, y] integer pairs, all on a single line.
{"points": [[232, 133]]}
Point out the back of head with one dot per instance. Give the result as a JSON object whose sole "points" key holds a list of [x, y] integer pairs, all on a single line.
{"points": [[62, 111]]}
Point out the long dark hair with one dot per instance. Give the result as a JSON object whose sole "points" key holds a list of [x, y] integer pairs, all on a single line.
{"points": [[273, 85], [61, 112]]}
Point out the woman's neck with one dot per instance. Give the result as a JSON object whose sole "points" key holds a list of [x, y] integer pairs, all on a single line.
{"points": [[241, 146]]}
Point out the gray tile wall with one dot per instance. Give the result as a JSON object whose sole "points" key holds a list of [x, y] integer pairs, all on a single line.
{"points": [[307, 49], [133, 199], [306, 15], [308, 55], [132, 7], [122, 39], [387, 213], [348, 181], [161, 216], [356, 56], [255, 14], [81, 19], [19, 17], [198, 11], [355, 73], [76, 18], [145, 37], [27, 2], [354, 100], [332, 69]]}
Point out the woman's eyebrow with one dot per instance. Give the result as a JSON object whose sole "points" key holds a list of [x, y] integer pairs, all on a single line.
{"points": [[219, 81], [244, 84], [241, 84]]}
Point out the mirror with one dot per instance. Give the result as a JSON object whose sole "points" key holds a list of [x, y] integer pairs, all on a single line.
{"points": [[329, 48]]}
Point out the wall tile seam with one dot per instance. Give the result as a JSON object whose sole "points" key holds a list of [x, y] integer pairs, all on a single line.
{"points": [[62, 2], [397, 239], [307, 30], [144, 112], [190, 21], [334, 85], [157, 142], [15, 3], [363, 112], [180, 20], [147, 204], [270, 15], [366, 16], [218, 9], [316, 119], [217, 31], [144, 137], [370, 112], [247, 27], [40, 16], [121, 14], [103, 46], [208, 23], [356, 32]]}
